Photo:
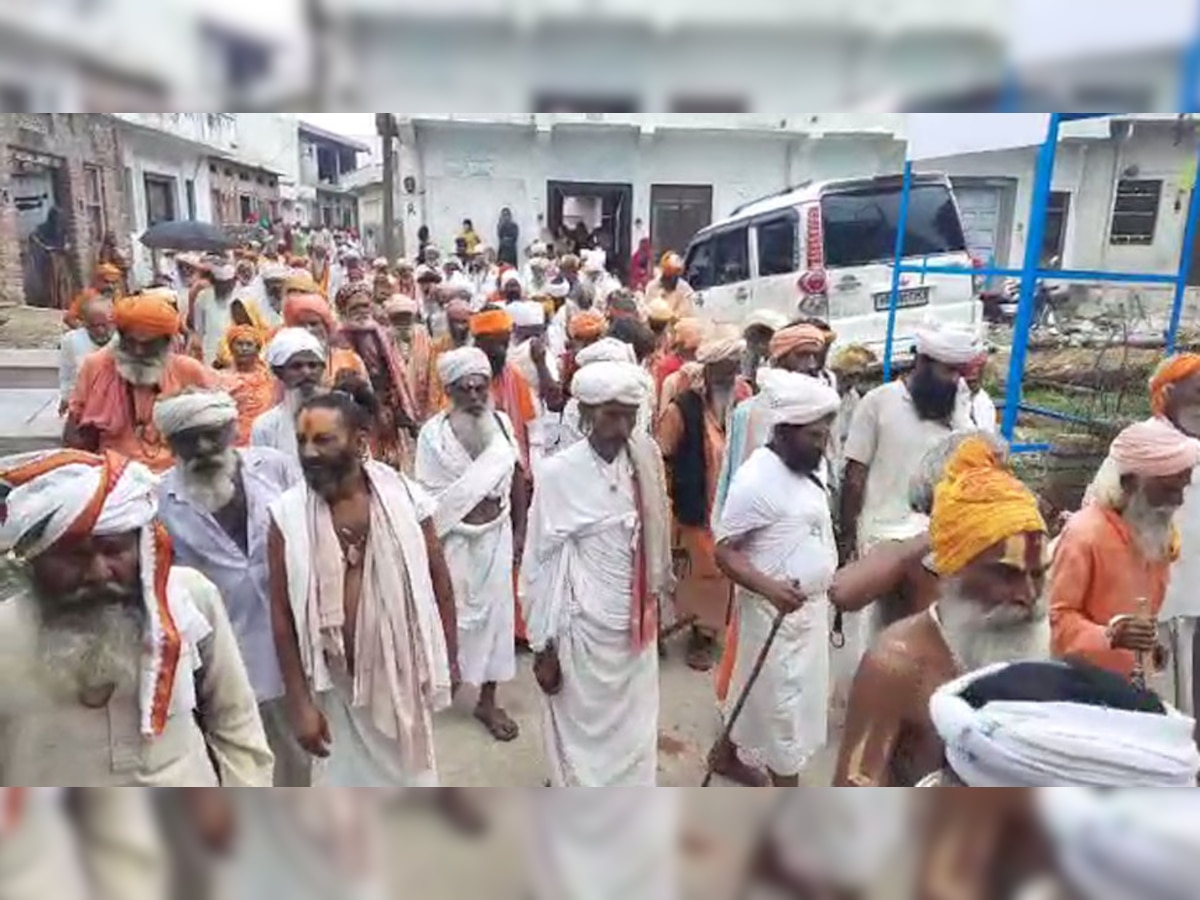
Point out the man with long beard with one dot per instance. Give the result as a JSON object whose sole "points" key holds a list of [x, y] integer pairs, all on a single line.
{"points": [[989, 552], [297, 360], [1112, 560], [415, 350], [214, 506], [597, 561], [121, 668], [362, 606], [467, 459], [691, 434], [113, 404]]}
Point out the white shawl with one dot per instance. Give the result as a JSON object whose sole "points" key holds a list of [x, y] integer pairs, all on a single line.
{"points": [[459, 483]]}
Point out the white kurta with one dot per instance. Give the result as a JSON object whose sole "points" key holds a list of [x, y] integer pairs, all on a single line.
{"points": [[601, 729], [480, 557], [784, 521], [276, 428]]}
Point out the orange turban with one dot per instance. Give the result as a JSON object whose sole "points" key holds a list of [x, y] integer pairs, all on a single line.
{"points": [[107, 273], [977, 504], [1171, 371], [491, 321], [587, 324], [689, 333], [297, 305], [244, 333], [671, 263], [146, 316], [796, 337]]}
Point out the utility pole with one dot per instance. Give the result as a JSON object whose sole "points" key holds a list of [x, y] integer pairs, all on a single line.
{"points": [[385, 124]]}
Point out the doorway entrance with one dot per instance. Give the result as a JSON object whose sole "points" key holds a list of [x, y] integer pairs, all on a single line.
{"points": [[583, 214], [40, 199], [677, 211]]}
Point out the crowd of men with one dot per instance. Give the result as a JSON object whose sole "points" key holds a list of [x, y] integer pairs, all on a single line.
{"points": [[302, 500]]}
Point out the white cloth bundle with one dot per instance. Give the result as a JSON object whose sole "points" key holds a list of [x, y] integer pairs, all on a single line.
{"points": [[197, 409], [1032, 744], [605, 350], [609, 382], [290, 341], [795, 399], [455, 365]]}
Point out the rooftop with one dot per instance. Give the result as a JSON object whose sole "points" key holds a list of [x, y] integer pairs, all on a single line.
{"points": [[332, 137]]}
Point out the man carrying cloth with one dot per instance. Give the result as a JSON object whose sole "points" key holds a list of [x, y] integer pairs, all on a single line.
{"points": [[467, 459], [1112, 560], [120, 668], [113, 404], [597, 560], [989, 549]]}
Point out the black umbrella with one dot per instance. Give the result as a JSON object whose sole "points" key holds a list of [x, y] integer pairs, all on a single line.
{"points": [[199, 237]]}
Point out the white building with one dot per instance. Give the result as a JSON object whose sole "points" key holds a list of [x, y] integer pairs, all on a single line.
{"points": [[626, 175]]}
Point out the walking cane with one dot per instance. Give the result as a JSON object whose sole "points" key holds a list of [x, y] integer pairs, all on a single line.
{"points": [[1138, 677], [741, 702]]}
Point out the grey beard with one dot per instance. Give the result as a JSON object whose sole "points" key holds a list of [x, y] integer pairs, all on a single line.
{"points": [[91, 650], [474, 432], [143, 373], [1151, 526], [211, 489], [979, 637], [721, 396]]}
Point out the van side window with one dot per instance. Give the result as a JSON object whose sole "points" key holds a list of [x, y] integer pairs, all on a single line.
{"points": [[698, 270], [778, 253], [731, 259]]}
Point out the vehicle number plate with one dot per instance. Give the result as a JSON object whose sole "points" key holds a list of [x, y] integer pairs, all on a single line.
{"points": [[908, 298]]}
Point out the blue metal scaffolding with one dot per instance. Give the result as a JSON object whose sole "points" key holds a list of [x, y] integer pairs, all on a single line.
{"points": [[1031, 271]]}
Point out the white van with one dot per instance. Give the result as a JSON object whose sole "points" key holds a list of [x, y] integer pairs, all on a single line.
{"points": [[826, 249]]}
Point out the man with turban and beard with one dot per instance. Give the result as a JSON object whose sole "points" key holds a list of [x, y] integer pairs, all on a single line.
{"points": [[492, 329], [686, 338], [214, 506], [891, 428], [297, 360], [362, 605], [394, 440], [989, 553], [1112, 560], [312, 313], [248, 380], [775, 543], [415, 349], [608, 349], [217, 308], [597, 561], [670, 286], [536, 365], [120, 667], [468, 461], [112, 407], [691, 434]]}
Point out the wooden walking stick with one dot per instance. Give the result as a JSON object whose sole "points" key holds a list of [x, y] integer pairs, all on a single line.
{"points": [[1138, 677], [741, 701]]}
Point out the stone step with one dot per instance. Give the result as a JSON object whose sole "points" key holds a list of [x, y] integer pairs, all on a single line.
{"points": [[29, 420], [29, 369]]}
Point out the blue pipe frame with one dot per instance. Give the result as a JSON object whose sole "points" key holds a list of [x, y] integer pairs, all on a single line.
{"points": [[1031, 271]]}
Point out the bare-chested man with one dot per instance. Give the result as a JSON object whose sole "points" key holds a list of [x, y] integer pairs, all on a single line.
{"points": [[989, 551]]}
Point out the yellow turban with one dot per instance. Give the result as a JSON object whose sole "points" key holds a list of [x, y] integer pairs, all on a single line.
{"points": [[978, 503]]}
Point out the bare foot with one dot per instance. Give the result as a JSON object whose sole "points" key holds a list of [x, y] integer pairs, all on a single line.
{"points": [[498, 723], [723, 759]]}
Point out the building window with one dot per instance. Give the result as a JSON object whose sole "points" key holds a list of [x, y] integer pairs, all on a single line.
{"points": [[218, 207], [597, 106], [778, 247], [93, 201], [189, 189], [1135, 212], [160, 198], [703, 104], [246, 203], [732, 258], [1056, 229]]}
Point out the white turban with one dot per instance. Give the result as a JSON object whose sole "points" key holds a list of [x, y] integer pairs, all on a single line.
{"points": [[948, 344], [1125, 845], [527, 313], [197, 409], [594, 260], [222, 271], [274, 272], [290, 341], [455, 365], [510, 276], [557, 290], [1014, 743], [605, 350], [609, 382], [795, 399]]}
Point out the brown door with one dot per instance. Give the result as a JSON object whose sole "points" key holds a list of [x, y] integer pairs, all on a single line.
{"points": [[677, 211]]}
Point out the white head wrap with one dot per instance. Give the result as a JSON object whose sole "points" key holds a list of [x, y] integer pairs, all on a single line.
{"points": [[948, 344], [379, 262], [605, 350], [527, 313], [1042, 744], [510, 276], [222, 271], [795, 399], [290, 341], [274, 272], [594, 260], [557, 290], [609, 382], [197, 409], [455, 365]]}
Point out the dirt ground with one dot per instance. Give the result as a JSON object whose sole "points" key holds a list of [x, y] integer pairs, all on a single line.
{"points": [[29, 328]]}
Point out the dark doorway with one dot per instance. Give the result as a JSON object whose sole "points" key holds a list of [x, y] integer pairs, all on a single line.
{"points": [[1058, 206], [677, 211], [594, 214], [38, 195]]}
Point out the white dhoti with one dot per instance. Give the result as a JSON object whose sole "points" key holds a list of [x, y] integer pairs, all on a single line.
{"points": [[479, 556]]}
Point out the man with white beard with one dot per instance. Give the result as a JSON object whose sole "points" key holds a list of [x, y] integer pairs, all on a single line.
{"points": [[989, 551], [1113, 559], [297, 358], [214, 504], [120, 668], [466, 458], [597, 559]]}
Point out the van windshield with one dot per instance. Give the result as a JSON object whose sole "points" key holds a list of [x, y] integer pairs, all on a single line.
{"points": [[860, 225]]}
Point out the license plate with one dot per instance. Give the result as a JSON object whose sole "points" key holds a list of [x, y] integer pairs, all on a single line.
{"points": [[908, 298]]}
